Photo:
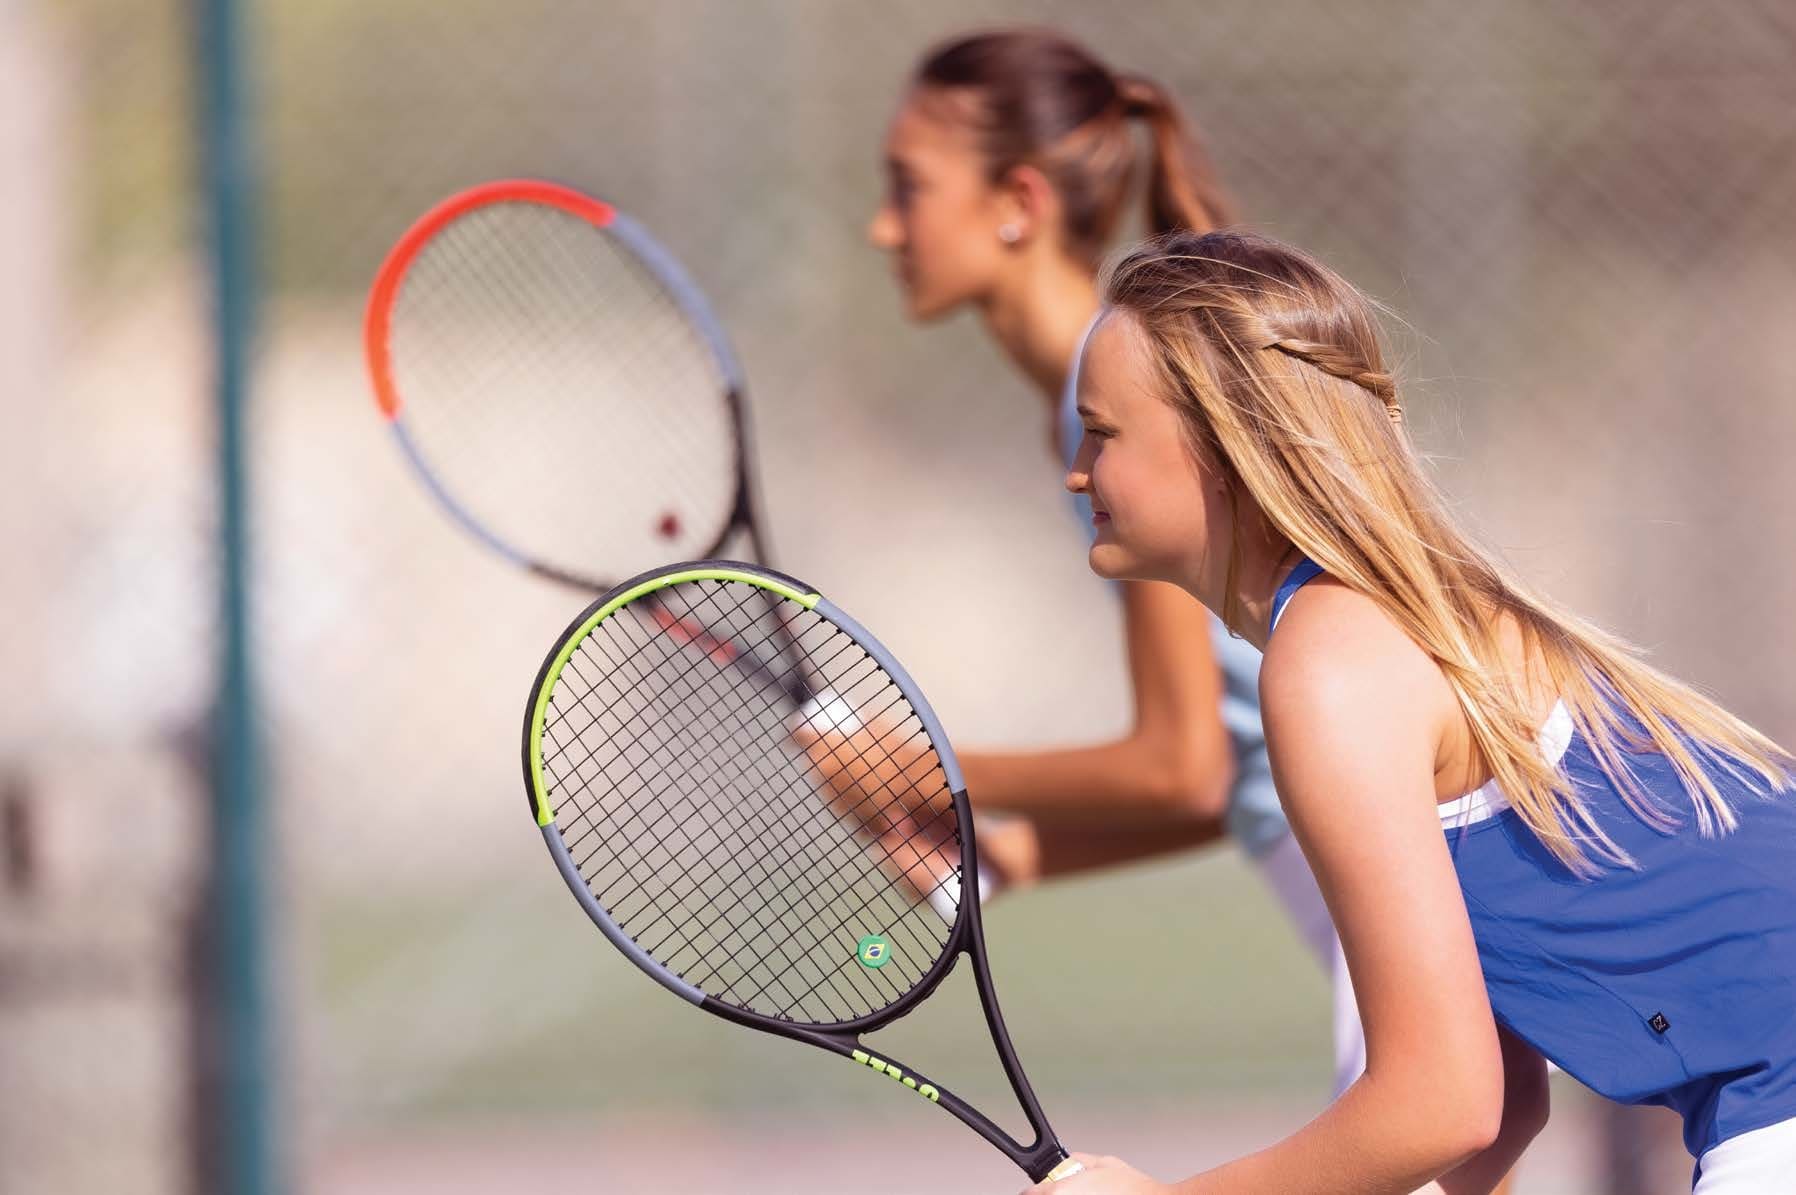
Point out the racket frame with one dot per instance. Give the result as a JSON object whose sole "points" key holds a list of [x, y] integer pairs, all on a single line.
{"points": [[1041, 1158]]}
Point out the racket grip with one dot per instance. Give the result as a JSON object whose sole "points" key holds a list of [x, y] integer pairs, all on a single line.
{"points": [[1067, 1168]]}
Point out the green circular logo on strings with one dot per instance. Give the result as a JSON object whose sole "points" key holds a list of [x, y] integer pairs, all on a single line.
{"points": [[874, 950]]}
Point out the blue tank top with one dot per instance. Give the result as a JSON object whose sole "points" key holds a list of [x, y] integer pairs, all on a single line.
{"points": [[1671, 982], [1254, 817]]}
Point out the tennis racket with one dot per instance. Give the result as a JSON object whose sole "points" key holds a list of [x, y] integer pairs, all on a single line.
{"points": [[562, 390], [797, 869], [560, 386]]}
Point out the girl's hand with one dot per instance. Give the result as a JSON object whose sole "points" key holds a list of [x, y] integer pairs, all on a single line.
{"points": [[888, 784], [1102, 1176], [878, 775]]}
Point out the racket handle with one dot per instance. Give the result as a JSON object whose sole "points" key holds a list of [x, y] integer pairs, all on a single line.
{"points": [[1067, 1168]]}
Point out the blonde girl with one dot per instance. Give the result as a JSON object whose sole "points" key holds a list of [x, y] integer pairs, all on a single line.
{"points": [[1534, 845]]}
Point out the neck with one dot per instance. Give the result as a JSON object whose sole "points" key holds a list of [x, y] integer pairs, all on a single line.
{"points": [[1037, 316], [1264, 567]]}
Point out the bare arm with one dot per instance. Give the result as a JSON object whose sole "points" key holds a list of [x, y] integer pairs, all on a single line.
{"points": [[1354, 713], [1023, 850], [1525, 1106], [1161, 787], [1175, 760]]}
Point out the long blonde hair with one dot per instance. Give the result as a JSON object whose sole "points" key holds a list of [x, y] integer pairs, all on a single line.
{"points": [[1275, 364]]}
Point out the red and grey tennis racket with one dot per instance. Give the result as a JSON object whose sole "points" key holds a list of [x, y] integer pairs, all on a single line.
{"points": [[563, 391], [808, 872], [560, 385]]}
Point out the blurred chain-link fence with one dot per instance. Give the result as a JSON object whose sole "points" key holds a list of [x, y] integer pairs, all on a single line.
{"points": [[1586, 213]]}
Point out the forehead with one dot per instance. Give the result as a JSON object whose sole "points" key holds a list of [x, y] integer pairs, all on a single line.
{"points": [[1115, 371], [931, 123]]}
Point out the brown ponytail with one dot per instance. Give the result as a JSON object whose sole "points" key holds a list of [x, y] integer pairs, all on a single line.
{"points": [[1037, 98], [1182, 190]]}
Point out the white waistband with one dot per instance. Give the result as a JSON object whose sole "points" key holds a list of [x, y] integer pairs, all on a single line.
{"points": [[1750, 1163], [1488, 800]]}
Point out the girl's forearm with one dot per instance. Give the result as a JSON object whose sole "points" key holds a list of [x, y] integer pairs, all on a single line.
{"points": [[1142, 780], [1367, 1142], [1024, 850], [1526, 1103]]}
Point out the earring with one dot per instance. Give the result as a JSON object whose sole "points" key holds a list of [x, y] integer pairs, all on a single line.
{"points": [[1010, 234]]}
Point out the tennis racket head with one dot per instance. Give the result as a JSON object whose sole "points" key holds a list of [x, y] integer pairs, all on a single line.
{"points": [[789, 865], [559, 383], [753, 801]]}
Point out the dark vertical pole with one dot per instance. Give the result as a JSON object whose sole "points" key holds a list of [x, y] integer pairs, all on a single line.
{"points": [[241, 1080]]}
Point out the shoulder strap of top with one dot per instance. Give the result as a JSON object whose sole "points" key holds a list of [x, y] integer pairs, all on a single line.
{"points": [[1306, 571]]}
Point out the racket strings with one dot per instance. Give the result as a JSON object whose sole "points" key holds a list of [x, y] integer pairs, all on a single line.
{"points": [[575, 841], [547, 271], [595, 698], [888, 856], [726, 911], [620, 732], [777, 867], [528, 347], [894, 695], [758, 921], [531, 271], [714, 839]]}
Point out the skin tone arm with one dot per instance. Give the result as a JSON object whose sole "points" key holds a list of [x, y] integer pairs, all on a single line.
{"points": [[1160, 788], [1354, 716], [1525, 1107]]}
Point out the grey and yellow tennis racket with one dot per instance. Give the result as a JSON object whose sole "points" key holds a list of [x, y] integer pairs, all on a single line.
{"points": [[805, 868]]}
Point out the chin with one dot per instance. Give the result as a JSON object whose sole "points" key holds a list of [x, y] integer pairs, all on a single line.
{"points": [[1111, 563], [925, 309]]}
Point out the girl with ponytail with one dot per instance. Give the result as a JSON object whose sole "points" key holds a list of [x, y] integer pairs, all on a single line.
{"points": [[1534, 844], [1011, 160]]}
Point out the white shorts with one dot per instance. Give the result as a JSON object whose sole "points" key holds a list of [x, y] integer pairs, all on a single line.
{"points": [[1755, 1163], [1287, 872]]}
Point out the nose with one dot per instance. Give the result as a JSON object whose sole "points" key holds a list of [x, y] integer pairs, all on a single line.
{"points": [[1078, 474], [883, 231]]}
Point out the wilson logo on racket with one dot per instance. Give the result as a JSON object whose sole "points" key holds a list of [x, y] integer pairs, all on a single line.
{"points": [[874, 951], [892, 1071]]}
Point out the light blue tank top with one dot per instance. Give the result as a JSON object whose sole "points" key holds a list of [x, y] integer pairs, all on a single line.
{"points": [[1671, 982], [1254, 818]]}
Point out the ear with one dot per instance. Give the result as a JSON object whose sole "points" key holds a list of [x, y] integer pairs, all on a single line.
{"points": [[1027, 200]]}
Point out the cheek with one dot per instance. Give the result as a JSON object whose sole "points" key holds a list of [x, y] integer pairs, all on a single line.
{"points": [[1159, 506], [947, 262]]}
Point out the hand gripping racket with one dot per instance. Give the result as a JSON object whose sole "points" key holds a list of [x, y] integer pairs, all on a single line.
{"points": [[798, 869]]}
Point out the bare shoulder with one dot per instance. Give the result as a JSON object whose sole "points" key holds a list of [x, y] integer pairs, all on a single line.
{"points": [[1337, 656]]}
